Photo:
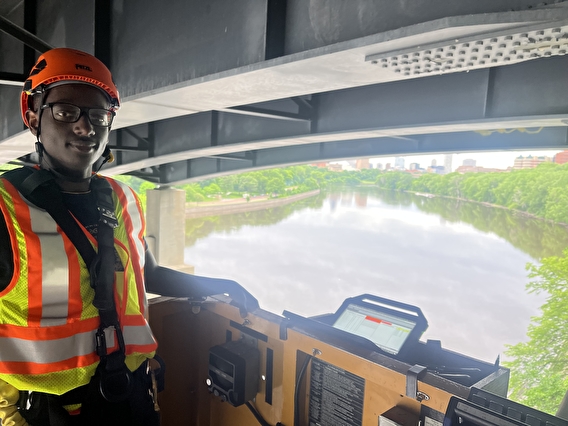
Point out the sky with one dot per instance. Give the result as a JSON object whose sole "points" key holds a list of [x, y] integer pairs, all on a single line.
{"points": [[498, 160]]}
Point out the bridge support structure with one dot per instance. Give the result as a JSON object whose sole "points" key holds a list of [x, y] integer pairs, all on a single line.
{"points": [[165, 222]]}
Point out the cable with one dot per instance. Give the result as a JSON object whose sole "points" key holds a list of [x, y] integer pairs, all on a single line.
{"points": [[297, 390], [257, 414]]}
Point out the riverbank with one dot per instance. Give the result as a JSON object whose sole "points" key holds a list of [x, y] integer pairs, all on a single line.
{"points": [[485, 203], [240, 205]]}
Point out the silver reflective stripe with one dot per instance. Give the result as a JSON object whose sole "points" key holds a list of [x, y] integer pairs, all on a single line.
{"points": [[55, 270], [134, 214], [138, 335], [48, 351]]}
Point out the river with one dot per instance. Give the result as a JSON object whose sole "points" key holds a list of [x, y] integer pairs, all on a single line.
{"points": [[462, 263]]}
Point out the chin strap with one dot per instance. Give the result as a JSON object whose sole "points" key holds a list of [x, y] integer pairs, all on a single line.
{"points": [[107, 156]]}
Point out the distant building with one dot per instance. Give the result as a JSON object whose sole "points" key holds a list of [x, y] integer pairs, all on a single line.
{"points": [[399, 163], [529, 162], [379, 166], [362, 163], [414, 166], [440, 170], [388, 166], [448, 163], [319, 165], [469, 162], [561, 157], [475, 169], [335, 167], [434, 162]]}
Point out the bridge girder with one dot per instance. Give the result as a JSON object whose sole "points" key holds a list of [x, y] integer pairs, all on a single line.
{"points": [[210, 95]]}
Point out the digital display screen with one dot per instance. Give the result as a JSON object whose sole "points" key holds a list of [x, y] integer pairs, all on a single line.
{"points": [[385, 330]]}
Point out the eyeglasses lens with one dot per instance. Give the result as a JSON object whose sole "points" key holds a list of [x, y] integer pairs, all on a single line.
{"points": [[70, 114]]}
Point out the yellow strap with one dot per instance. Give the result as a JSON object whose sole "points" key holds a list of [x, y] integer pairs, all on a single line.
{"points": [[8, 411]]}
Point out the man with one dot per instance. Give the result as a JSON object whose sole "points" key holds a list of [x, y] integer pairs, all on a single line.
{"points": [[74, 341]]}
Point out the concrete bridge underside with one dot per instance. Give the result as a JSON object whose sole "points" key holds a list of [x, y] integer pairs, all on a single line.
{"points": [[220, 86]]}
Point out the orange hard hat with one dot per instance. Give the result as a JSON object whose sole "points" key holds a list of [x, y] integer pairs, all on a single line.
{"points": [[63, 65]]}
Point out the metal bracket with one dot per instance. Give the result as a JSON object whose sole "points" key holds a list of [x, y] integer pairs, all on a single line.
{"points": [[414, 374], [284, 324]]}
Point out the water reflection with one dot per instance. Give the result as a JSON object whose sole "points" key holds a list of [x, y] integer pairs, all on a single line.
{"points": [[462, 263]]}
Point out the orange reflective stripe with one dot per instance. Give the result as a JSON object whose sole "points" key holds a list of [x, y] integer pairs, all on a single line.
{"points": [[135, 225], [133, 221], [15, 367], [46, 333], [86, 293]]}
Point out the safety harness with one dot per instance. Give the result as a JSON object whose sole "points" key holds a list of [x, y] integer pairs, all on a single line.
{"points": [[39, 187]]}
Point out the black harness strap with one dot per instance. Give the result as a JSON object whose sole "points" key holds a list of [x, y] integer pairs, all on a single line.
{"points": [[39, 187]]}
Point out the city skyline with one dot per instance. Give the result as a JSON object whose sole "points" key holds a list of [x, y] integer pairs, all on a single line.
{"points": [[498, 160]]}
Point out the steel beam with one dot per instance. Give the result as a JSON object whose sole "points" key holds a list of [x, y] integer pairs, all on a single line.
{"points": [[275, 28], [526, 95], [24, 36]]}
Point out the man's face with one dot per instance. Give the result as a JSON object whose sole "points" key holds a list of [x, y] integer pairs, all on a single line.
{"points": [[72, 148]]}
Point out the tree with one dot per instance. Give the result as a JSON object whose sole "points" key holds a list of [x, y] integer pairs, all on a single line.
{"points": [[311, 184], [248, 184], [193, 193], [539, 367], [227, 183], [144, 186], [275, 186], [212, 189]]}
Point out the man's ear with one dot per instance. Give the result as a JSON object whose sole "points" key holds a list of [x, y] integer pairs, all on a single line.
{"points": [[33, 121]]}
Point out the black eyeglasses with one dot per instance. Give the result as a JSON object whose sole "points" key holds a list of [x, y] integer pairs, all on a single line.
{"points": [[69, 113]]}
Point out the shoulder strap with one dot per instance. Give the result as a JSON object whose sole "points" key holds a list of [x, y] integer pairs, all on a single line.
{"points": [[39, 187]]}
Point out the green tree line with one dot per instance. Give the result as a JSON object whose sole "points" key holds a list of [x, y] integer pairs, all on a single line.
{"points": [[540, 191], [276, 182]]}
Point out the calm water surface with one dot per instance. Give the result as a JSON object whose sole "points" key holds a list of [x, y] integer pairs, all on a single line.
{"points": [[463, 264]]}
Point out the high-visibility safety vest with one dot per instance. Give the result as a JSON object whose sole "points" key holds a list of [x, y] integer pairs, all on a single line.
{"points": [[47, 318]]}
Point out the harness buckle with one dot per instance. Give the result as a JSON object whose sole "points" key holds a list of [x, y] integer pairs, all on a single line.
{"points": [[100, 343], [115, 377], [108, 217]]}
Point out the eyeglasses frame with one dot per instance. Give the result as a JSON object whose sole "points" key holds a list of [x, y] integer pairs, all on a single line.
{"points": [[83, 111]]}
